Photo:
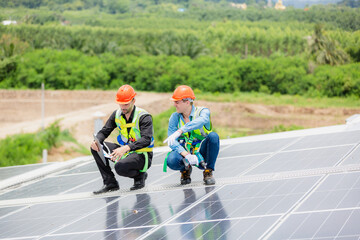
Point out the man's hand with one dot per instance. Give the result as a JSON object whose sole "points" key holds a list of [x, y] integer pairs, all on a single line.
{"points": [[94, 146], [172, 138], [119, 152], [192, 159]]}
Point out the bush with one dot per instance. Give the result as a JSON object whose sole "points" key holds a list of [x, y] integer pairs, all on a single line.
{"points": [[341, 81], [160, 123], [71, 69], [68, 69], [27, 148]]}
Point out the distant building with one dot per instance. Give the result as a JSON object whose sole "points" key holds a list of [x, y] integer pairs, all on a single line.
{"points": [[239, 5], [65, 23], [8, 22], [279, 5]]}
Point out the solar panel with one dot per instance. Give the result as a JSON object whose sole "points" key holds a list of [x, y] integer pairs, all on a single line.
{"points": [[338, 191], [5, 210], [85, 168], [254, 148], [353, 158], [325, 140], [320, 225], [7, 172], [296, 185], [302, 159]]}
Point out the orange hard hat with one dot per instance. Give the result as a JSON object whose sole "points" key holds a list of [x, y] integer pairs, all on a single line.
{"points": [[182, 92], [125, 94]]}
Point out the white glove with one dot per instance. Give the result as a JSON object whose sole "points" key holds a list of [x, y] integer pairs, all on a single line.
{"points": [[172, 138], [192, 159]]}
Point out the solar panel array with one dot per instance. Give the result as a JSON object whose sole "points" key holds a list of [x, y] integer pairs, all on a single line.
{"points": [[302, 187]]}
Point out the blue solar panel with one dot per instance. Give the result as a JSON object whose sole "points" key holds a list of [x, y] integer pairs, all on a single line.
{"points": [[353, 157], [259, 147], [302, 159], [296, 187], [326, 140], [7, 172], [342, 224], [338, 191]]}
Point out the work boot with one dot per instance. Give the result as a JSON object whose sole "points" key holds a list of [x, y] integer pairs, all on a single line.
{"points": [[139, 181], [107, 188], [185, 176], [208, 177]]}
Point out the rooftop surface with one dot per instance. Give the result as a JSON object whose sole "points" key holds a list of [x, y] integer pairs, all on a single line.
{"points": [[293, 185]]}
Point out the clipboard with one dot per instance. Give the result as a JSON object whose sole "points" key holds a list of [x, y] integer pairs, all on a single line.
{"points": [[101, 150]]}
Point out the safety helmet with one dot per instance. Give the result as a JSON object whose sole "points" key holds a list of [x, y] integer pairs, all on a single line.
{"points": [[125, 94], [183, 92]]}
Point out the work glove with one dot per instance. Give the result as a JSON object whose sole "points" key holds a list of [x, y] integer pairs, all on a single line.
{"points": [[192, 159], [172, 138]]}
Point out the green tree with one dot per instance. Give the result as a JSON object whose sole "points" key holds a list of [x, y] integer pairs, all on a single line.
{"points": [[117, 6], [325, 50], [11, 46], [354, 52], [331, 54], [350, 3], [190, 45]]}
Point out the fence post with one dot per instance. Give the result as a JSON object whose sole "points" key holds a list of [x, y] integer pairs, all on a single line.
{"points": [[44, 155]]}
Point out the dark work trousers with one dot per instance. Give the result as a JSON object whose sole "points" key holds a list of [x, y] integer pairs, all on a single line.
{"points": [[129, 166], [209, 149]]}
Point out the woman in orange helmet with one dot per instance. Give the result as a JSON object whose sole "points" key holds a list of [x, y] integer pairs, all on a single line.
{"points": [[133, 152], [191, 138]]}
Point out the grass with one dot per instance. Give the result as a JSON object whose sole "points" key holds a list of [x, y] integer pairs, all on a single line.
{"points": [[160, 122], [225, 132], [281, 100], [282, 128]]}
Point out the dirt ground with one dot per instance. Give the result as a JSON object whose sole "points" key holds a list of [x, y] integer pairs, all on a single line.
{"points": [[21, 113]]}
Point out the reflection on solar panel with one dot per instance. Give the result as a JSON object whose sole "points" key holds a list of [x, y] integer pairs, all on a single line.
{"points": [[303, 185]]}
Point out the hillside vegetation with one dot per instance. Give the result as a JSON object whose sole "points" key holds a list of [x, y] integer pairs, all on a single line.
{"points": [[154, 46]]}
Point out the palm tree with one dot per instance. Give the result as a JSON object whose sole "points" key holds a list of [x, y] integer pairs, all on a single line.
{"points": [[331, 54], [325, 50], [191, 46], [316, 41]]}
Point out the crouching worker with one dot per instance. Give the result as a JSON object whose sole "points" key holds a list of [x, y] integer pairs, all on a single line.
{"points": [[132, 154], [191, 138]]}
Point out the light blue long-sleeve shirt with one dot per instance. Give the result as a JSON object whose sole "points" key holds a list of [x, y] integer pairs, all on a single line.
{"points": [[199, 122]]}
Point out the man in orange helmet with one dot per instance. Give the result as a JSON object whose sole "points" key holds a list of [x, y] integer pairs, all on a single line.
{"points": [[191, 138], [133, 153]]}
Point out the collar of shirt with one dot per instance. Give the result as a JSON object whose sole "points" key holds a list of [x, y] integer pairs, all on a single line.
{"points": [[191, 117], [131, 115]]}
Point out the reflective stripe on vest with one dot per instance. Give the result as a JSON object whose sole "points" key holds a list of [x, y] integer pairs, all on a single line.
{"points": [[133, 135], [197, 134]]}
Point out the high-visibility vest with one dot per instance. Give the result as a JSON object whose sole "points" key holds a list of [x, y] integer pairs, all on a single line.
{"points": [[125, 136], [192, 140]]}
